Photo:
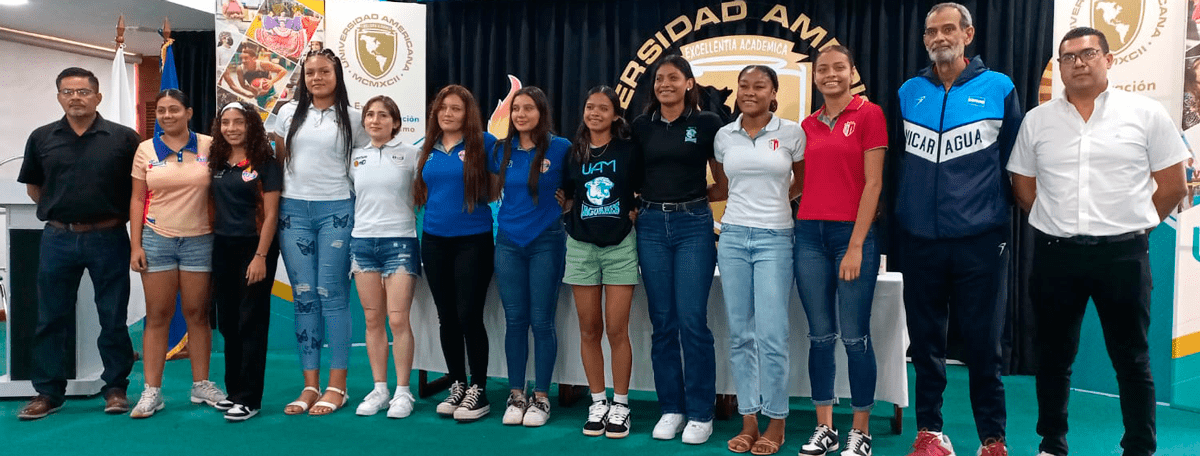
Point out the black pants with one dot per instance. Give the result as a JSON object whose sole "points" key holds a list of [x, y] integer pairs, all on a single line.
{"points": [[970, 274], [63, 257], [243, 315], [459, 270], [1116, 276]]}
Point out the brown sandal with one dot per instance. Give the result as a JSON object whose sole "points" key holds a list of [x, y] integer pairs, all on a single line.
{"points": [[741, 443], [765, 446]]}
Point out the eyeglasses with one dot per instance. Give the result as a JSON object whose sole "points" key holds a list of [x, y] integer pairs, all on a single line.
{"points": [[80, 92], [1086, 55]]}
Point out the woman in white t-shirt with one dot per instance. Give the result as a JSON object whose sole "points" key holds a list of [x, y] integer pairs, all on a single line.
{"points": [[760, 153], [314, 136], [385, 256]]}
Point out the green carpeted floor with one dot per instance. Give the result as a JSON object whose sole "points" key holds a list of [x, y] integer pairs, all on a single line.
{"points": [[182, 428]]}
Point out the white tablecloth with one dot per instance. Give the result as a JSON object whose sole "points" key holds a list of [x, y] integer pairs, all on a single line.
{"points": [[889, 335]]}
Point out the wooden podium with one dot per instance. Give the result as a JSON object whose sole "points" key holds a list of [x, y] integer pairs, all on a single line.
{"points": [[22, 239]]}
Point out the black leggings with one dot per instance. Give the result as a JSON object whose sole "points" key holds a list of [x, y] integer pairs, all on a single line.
{"points": [[243, 315], [459, 270]]}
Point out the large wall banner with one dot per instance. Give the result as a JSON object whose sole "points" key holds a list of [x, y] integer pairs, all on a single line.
{"points": [[382, 48]]}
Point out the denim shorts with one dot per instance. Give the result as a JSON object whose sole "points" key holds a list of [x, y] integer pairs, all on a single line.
{"points": [[190, 254], [385, 255]]}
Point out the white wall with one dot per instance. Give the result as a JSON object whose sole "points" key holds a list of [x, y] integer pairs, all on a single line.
{"points": [[27, 93]]}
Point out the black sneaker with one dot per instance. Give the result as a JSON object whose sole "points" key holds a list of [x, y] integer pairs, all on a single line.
{"points": [[453, 400], [595, 424], [239, 412], [823, 441], [857, 444], [618, 421], [474, 405]]}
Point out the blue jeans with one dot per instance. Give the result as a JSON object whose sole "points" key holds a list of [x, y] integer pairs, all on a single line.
{"points": [[756, 277], [834, 305], [314, 237], [678, 253], [527, 278], [63, 257]]}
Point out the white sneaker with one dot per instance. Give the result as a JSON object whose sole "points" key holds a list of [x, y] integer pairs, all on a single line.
{"points": [[669, 425], [857, 444], [538, 412], [597, 418], [401, 405], [371, 404], [150, 402], [514, 413], [697, 432], [240, 412], [824, 440], [205, 391], [1043, 453]]}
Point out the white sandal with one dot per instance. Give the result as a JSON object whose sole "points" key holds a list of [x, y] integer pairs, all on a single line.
{"points": [[331, 406], [301, 404]]}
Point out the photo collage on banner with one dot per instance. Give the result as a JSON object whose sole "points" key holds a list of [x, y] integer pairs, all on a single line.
{"points": [[259, 47]]}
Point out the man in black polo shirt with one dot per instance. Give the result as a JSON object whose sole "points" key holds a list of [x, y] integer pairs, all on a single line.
{"points": [[77, 171]]}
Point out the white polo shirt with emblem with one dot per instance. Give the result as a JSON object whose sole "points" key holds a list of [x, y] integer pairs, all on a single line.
{"points": [[1093, 177], [759, 172], [383, 180], [317, 170]]}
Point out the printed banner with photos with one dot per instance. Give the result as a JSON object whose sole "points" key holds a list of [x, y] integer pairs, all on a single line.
{"points": [[259, 47]]}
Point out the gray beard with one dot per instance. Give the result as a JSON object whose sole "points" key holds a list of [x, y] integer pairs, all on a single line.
{"points": [[943, 56]]}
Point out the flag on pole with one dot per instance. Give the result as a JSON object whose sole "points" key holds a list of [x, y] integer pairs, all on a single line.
{"points": [[119, 108], [177, 336]]}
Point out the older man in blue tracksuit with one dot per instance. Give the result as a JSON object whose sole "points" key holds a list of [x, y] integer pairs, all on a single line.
{"points": [[953, 205]]}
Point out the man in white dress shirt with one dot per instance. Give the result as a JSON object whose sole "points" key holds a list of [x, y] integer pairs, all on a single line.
{"points": [[1097, 169]]}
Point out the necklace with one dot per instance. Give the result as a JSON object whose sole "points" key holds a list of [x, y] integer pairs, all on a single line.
{"points": [[602, 150]]}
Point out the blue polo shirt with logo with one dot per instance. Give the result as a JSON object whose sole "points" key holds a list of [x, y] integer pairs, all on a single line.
{"points": [[520, 218], [445, 213]]}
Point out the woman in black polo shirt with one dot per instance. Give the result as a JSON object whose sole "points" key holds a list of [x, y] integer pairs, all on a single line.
{"points": [[246, 182], [677, 248]]}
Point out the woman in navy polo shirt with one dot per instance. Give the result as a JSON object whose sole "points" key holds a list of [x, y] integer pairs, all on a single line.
{"points": [[385, 259], [677, 248], [246, 182], [454, 186], [315, 133], [837, 261], [530, 248], [761, 153]]}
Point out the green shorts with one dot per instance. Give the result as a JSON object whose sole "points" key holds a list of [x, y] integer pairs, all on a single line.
{"points": [[589, 264]]}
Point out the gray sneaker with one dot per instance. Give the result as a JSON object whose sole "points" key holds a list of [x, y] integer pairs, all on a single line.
{"points": [[150, 402], [206, 392]]}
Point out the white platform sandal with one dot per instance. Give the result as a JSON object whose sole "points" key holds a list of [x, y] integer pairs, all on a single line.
{"points": [[331, 406], [303, 406]]}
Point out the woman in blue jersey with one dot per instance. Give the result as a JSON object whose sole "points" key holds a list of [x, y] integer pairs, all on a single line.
{"points": [[315, 133], [530, 249], [454, 186], [384, 252]]}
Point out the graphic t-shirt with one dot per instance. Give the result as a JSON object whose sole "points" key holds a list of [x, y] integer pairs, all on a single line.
{"points": [[602, 189]]}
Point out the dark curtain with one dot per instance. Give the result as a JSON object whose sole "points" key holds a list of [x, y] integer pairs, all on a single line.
{"points": [[567, 47], [196, 64]]}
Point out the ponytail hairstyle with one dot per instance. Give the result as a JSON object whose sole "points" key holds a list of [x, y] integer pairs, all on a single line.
{"points": [[541, 137], [770, 75], [583, 136], [476, 191], [341, 106]]}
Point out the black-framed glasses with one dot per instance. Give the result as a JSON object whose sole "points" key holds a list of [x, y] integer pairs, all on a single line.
{"points": [[72, 92], [1086, 55]]}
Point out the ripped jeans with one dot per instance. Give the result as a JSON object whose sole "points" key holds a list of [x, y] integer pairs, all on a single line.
{"points": [[836, 306], [314, 237]]}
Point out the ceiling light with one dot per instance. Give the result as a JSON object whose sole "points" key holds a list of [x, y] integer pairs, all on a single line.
{"points": [[13, 2]]}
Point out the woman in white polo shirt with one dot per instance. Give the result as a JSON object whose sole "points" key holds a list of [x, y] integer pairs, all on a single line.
{"points": [[385, 256], [760, 153], [315, 133]]}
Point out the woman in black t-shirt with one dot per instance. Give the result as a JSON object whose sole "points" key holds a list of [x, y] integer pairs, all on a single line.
{"points": [[246, 184], [602, 252]]}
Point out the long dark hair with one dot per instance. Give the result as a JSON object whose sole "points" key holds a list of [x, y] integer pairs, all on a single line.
{"points": [[691, 99], [341, 106], [541, 137], [476, 190], [258, 150], [583, 136]]}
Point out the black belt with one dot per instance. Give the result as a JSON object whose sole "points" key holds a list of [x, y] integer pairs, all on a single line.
{"points": [[1094, 240], [85, 227], [677, 207]]}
